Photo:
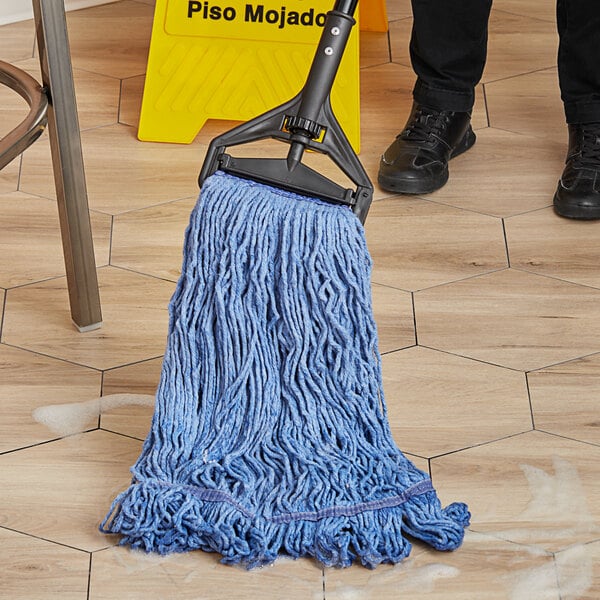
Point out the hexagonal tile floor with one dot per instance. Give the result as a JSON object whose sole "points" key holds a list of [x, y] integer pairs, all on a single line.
{"points": [[487, 308], [71, 485], [510, 318], [565, 249], [134, 329], [564, 399], [150, 240], [534, 489], [50, 570], [416, 244], [31, 381], [440, 403], [119, 573], [31, 248]]}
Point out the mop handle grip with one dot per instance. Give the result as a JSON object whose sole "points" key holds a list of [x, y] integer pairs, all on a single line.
{"points": [[326, 62]]}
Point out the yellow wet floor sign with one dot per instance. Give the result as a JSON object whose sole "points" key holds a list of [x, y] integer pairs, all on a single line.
{"points": [[234, 59]]}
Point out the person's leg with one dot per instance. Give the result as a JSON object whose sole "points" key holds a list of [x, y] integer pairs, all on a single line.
{"points": [[578, 24], [448, 49], [578, 192]]}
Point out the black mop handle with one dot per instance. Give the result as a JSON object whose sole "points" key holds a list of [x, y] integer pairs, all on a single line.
{"points": [[336, 31]]}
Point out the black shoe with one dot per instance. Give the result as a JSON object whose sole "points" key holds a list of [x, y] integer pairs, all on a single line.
{"points": [[417, 161], [578, 193]]}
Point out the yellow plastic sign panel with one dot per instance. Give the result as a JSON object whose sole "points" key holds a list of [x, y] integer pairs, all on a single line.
{"points": [[235, 60], [373, 15]]}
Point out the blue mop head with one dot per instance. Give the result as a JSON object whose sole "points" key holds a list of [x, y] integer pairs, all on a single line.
{"points": [[270, 433]]}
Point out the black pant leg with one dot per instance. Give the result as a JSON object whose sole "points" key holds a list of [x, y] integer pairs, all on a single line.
{"points": [[448, 49], [579, 59]]}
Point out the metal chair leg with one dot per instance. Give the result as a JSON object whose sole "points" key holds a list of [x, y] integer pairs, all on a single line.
{"points": [[67, 160]]}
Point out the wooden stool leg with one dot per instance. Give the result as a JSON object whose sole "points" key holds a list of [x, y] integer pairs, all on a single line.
{"points": [[67, 160]]}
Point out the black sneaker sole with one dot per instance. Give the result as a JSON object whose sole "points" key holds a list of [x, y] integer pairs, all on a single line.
{"points": [[431, 184]]}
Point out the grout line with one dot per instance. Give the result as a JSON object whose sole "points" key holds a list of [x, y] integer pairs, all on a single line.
{"points": [[120, 101], [557, 575], [110, 238], [135, 362], [120, 433], [506, 243], [514, 14], [58, 439], [566, 437], [555, 278], [481, 444], [43, 539], [89, 585], [323, 580], [64, 360], [474, 359], [143, 274], [414, 313], [3, 312], [565, 362], [531, 411], [485, 103]]}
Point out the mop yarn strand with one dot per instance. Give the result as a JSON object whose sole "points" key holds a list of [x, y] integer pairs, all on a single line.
{"points": [[270, 432]]}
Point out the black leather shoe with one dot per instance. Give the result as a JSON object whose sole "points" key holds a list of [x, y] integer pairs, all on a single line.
{"points": [[578, 193], [417, 161]]}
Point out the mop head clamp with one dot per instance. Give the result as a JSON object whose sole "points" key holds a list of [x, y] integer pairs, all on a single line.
{"points": [[305, 122]]}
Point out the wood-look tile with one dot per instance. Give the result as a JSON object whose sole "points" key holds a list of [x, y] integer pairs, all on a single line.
{"points": [[543, 243], [29, 382], [418, 461], [504, 174], [510, 318], [535, 489], [393, 314], [483, 567], [122, 173], [31, 246], [564, 399], [516, 45], [132, 91], [111, 39], [119, 572], [519, 45], [17, 41], [97, 96], [140, 378], [578, 572], [151, 240], [440, 403], [417, 244], [9, 176], [62, 490], [398, 9], [13, 110], [528, 104], [134, 326], [374, 48], [542, 9], [35, 569]]}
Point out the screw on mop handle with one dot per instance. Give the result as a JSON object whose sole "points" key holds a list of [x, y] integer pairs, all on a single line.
{"points": [[327, 58], [304, 122]]}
